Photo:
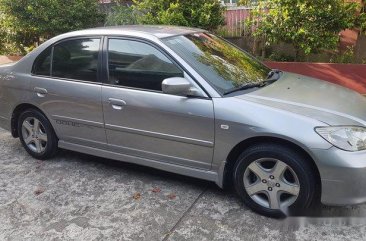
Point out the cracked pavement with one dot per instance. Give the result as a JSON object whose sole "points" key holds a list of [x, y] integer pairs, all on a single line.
{"points": [[81, 197]]}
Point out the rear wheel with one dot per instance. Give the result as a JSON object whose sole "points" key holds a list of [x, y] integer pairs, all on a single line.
{"points": [[37, 135], [274, 180]]}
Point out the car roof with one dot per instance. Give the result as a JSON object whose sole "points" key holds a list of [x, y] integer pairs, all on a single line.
{"points": [[159, 31]]}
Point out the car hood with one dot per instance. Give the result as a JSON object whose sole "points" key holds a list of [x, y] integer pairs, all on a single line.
{"points": [[321, 100]]}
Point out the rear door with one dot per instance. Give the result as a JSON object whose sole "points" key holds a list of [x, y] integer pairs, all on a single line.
{"points": [[141, 120], [67, 87]]}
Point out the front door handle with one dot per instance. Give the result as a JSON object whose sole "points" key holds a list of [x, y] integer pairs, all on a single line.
{"points": [[41, 92], [117, 104]]}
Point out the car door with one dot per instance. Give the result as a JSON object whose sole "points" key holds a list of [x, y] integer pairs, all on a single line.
{"points": [[141, 120], [66, 86]]}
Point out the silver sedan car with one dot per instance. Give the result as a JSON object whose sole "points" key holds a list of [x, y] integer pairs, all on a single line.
{"points": [[186, 101]]}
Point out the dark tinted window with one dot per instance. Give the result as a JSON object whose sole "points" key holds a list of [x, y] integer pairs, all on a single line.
{"points": [[138, 65], [42, 65], [76, 59]]}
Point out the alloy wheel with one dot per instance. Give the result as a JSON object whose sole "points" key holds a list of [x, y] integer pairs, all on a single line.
{"points": [[271, 183], [34, 135]]}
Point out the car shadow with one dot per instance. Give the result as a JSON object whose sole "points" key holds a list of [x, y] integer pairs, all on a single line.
{"points": [[344, 214], [138, 169]]}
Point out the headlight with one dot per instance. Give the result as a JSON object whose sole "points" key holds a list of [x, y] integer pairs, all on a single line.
{"points": [[348, 138]]}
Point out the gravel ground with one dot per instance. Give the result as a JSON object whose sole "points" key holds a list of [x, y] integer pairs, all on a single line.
{"points": [[80, 197]]}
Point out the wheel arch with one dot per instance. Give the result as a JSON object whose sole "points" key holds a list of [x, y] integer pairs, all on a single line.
{"points": [[16, 113], [240, 147]]}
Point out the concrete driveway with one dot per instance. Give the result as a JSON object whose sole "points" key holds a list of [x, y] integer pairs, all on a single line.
{"points": [[82, 197]]}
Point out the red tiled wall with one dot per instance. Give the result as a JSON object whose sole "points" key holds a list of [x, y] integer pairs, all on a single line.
{"points": [[352, 76]]}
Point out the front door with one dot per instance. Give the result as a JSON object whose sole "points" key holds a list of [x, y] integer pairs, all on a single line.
{"points": [[141, 120]]}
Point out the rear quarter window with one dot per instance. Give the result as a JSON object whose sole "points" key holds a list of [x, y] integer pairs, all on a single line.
{"points": [[42, 64]]}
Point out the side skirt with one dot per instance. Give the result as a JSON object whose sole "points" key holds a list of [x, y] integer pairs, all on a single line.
{"points": [[182, 170]]}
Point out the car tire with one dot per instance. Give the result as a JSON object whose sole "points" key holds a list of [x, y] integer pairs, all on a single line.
{"points": [[37, 135], [274, 180]]}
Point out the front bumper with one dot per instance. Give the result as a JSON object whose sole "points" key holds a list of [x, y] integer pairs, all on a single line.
{"points": [[343, 176]]}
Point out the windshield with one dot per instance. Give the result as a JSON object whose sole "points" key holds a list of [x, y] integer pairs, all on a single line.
{"points": [[223, 65]]}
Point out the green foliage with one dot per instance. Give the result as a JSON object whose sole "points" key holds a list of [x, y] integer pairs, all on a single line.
{"points": [[121, 15], [281, 57], [223, 31], [207, 14], [310, 25], [347, 57], [361, 20], [28, 22], [245, 2]]}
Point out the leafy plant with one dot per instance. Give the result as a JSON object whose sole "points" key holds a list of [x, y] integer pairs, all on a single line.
{"points": [[281, 57], [347, 57], [226, 32], [29, 22], [121, 15], [361, 20], [207, 14], [245, 2], [309, 25]]}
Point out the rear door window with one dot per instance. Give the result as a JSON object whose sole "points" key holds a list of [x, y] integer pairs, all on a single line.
{"points": [[76, 59]]}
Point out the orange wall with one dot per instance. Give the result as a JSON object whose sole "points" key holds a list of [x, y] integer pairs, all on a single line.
{"points": [[352, 76]]}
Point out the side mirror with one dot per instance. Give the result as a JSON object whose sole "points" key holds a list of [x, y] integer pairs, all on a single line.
{"points": [[177, 86]]}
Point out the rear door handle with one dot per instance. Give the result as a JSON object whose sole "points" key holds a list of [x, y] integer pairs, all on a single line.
{"points": [[117, 104], [41, 92]]}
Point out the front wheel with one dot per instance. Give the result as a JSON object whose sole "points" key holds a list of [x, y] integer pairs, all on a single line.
{"points": [[273, 180], [37, 135]]}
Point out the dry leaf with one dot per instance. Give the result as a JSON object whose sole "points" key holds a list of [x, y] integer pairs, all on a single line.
{"points": [[137, 196], [156, 190], [172, 196], [39, 191]]}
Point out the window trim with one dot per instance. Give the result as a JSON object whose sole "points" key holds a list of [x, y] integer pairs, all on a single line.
{"points": [[105, 69], [99, 65]]}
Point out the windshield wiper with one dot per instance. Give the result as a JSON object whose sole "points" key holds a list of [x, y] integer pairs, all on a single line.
{"points": [[246, 86], [273, 76]]}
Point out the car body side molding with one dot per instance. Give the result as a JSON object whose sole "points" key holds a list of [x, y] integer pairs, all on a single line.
{"points": [[169, 167]]}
